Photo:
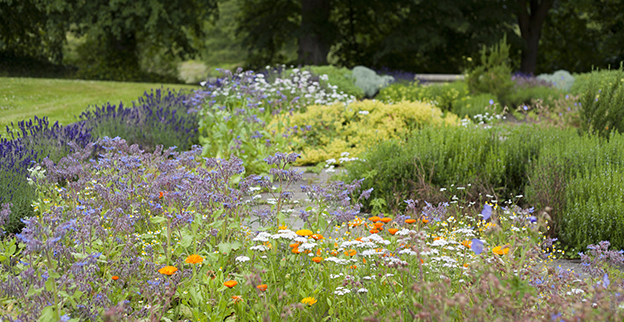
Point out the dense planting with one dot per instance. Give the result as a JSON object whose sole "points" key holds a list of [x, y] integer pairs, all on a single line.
{"points": [[436, 217]]}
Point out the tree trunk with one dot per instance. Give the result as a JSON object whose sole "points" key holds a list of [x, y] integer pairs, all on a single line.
{"points": [[530, 30], [313, 41]]}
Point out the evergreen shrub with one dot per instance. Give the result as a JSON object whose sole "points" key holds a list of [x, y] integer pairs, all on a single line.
{"points": [[602, 102]]}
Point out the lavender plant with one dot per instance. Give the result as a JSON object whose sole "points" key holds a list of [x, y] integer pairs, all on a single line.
{"points": [[162, 117], [26, 143]]}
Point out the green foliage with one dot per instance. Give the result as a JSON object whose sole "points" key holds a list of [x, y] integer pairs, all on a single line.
{"points": [[369, 81], [372, 33], [562, 79], [341, 77], [561, 112], [32, 28], [480, 104], [580, 36], [524, 95], [484, 161], [493, 75], [602, 102], [580, 178], [443, 96], [335, 129]]}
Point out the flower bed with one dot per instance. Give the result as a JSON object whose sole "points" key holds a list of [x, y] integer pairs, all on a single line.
{"points": [[121, 234]]}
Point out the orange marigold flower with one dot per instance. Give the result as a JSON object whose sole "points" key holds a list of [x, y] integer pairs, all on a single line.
{"points": [[499, 250], [385, 220], [350, 252], [230, 283], [317, 259], [364, 260], [466, 265], [295, 250], [318, 252], [318, 237], [262, 287], [379, 225], [425, 221], [437, 238], [237, 298], [194, 259], [374, 231], [393, 231], [304, 232], [359, 239], [334, 253], [160, 195], [294, 245], [374, 218], [353, 266], [422, 261], [410, 221], [168, 270], [115, 277], [466, 243]]}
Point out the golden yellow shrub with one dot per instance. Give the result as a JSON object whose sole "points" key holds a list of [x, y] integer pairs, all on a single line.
{"points": [[326, 131]]}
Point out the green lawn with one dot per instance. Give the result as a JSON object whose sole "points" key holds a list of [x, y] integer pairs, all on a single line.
{"points": [[61, 100]]}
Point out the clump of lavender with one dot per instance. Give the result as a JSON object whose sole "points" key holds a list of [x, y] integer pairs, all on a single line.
{"points": [[28, 142], [162, 117]]}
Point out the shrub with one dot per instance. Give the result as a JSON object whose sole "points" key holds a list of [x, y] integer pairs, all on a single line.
{"points": [[523, 95], [369, 81], [481, 160], [25, 144], [444, 96], [602, 102], [561, 79], [329, 130], [340, 77], [163, 117], [579, 177], [494, 74]]}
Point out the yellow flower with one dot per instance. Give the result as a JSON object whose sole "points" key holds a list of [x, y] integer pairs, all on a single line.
{"points": [[304, 232], [168, 270], [499, 250], [308, 300], [194, 259]]}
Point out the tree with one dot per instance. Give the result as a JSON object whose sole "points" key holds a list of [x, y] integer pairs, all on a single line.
{"points": [[121, 31], [427, 36], [34, 28], [531, 17], [580, 35]]}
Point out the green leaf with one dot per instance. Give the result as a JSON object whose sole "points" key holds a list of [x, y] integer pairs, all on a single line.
{"points": [[48, 314], [49, 285], [157, 220], [186, 241], [54, 274], [33, 291], [224, 247]]}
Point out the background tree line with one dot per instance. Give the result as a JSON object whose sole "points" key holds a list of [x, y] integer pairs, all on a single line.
{"points": [[144, 39]]}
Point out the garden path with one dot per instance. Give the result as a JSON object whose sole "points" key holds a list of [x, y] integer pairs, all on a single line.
{"points": [[300, 201]]}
